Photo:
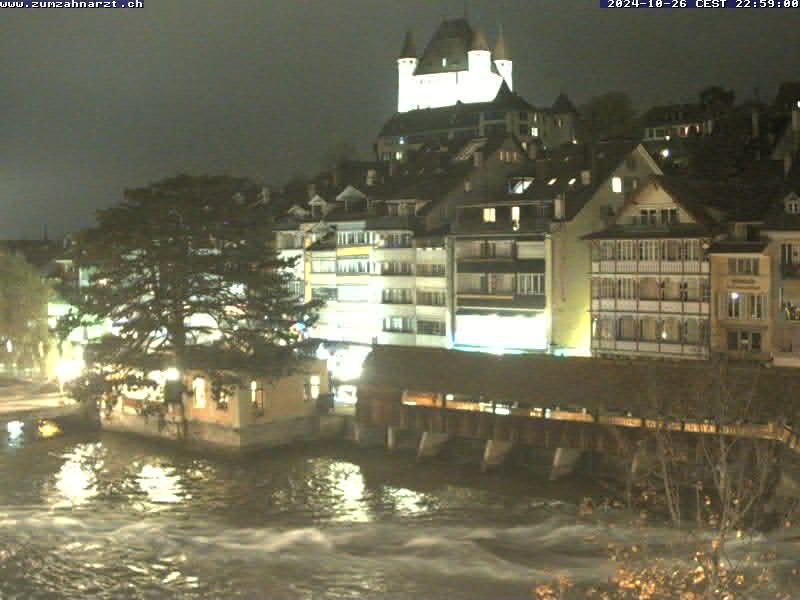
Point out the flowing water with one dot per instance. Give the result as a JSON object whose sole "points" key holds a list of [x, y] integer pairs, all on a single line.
{"points": [[105, 516]]}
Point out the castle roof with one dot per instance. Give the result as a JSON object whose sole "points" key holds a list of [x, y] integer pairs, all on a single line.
{"points": [[478, 41], [409, 48], [447, 50], [500, 50], [564, 105]]}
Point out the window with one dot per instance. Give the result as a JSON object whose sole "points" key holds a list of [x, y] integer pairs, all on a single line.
{"points": [[312, 387], [324, 293], [353, 266], [257, 398], [323, 265], [220, 395], [648, 216], [430, 270], [744, 341], [518, 185], [431, 328], [648, 250], [444, 61], [489, 215], [627, 289], [395, 268], [199, 390], [397, 240], [790, 254], [626, 250], [515, 218], [684, 290], [734, 305], [398, 296], [743, 266], [669, 215], [534, 131], [431, 297], [296, 288], [756, 306], [793, 206], [398, 324], [616, 185], [530, 284]]}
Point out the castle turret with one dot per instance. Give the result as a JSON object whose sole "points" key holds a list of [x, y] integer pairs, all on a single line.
{"points": [[479, 56], [502, 60], [406, 65]]}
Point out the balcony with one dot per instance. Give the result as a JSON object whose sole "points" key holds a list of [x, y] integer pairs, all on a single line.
{"points": [[789, 271], [504, 226]]}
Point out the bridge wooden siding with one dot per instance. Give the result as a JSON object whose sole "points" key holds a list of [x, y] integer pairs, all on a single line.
{"points": [[586, 404]]}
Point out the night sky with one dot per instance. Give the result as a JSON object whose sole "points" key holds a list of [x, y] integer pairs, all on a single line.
{"points": [[93, 101]]}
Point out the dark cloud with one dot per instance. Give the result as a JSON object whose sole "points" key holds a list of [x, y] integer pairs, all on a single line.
{"points": [[94, 101]]}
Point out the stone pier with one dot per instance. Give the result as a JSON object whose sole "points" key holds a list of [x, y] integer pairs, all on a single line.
{"points": [[495, 454], [431, 444], [368, 436], [564, 462]]}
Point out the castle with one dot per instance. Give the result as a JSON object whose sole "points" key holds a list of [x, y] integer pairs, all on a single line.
{"points": [[456, 66]]}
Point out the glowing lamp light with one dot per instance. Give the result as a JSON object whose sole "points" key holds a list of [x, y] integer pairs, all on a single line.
{"points": [[48, 429], [323, 353], [69, 370], [734, 295], [172, 374], [14, 429], [665, 153]]}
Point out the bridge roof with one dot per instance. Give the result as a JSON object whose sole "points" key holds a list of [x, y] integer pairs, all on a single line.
{"points": [[682, 389]]}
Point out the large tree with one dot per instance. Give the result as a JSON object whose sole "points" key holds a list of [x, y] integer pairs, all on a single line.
{"points": [[185, 273], [609, 115], [24, 296]]}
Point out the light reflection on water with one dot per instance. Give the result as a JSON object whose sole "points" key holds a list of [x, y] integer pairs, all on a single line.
{"points": [[111, 517]]}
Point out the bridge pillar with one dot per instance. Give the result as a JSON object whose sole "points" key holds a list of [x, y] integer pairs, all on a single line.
{"points": [[431, 444], [368, 435], [564, 462], [495, 454], [397, 437]]}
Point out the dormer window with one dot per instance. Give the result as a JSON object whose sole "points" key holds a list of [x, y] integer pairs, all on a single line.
{"points": [[793, 206]]}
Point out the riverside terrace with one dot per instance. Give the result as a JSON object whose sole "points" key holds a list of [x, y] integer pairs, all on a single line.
{"points": [[607, 406]]}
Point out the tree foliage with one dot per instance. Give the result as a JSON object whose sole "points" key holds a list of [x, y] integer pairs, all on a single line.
{"points": [[185, 272], [609, 115], [24, 295]]}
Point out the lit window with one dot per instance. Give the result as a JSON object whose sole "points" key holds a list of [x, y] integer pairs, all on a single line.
{"points": [[616, 185], [489, 215], [793, 206], [535, 131], [398, 155], [257, 398], [515, 218], [444, 61], [199, 389], [314, 382]]}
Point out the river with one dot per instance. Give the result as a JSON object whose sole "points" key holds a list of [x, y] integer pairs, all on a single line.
{"points": [[104, 516]]}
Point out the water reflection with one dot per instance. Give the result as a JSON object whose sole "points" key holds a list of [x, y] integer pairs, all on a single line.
{"points": [[349, 483], [76, 480], [406, 501], [161, 484]]}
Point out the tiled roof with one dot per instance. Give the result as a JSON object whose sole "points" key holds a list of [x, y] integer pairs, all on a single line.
{"points": [[447, 50]]}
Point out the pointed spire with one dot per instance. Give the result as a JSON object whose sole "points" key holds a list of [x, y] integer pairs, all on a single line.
{"points": [[409, 49], [500, 50], [479, 41]]}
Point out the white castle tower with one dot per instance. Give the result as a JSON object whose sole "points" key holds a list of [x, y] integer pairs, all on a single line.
{"points": [[456, 66], [406, 65], [502, 60]]}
